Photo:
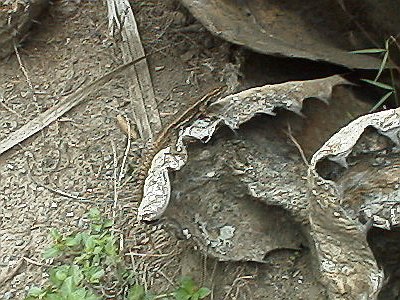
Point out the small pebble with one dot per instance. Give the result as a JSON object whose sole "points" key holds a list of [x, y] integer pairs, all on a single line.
{"points": [[10, 167], [210, 174], [7, 296]]}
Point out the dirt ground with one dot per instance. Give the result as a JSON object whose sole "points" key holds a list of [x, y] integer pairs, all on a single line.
{"points": [[52, 179]]}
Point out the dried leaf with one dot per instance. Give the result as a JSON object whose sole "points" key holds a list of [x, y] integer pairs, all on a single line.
{"points": [[232, 110], [339, 146]]}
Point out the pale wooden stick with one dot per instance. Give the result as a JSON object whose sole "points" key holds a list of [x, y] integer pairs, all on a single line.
{"points": [[144, 105]]}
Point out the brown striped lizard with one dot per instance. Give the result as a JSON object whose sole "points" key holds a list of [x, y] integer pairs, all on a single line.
{"points": [[193, 111]]}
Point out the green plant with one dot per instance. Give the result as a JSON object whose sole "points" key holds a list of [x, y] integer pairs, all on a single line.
{"points": [[386, 57], [84, 259], [188, 290], [65, 284], [90, 261]]}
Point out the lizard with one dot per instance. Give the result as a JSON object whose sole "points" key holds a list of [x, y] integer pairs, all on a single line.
{"points": [[163, 137]]}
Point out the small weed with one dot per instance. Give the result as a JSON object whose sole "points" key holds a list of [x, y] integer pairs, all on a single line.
{"points": [[85, 262], [386, 57], [188, 290]]}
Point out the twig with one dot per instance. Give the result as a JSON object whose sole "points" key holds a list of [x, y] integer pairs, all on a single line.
{"points": [[57, 191], [34, 262], [12, 273], [127, 149], [294, 141], [21, 65], [52, 114], [166, 277], [11, 110], [212, 278], [358, 24], [115, 179]]}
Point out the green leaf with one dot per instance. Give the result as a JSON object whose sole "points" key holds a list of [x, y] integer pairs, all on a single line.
{"points": [[150, 296], [97, 250], [51, 252], [76, 274], [54, 296], [188, 284], [62, 274], [96, 259], [369, 51], [78, 294], [73, 241], [108, 223], [91, 296], [96, 227], [55, 234], [36, 292], [379, 84], [110, 248], [382, 66], [84, 237], [95, 274], [136, 292], [90, 243], [182, 294], [67, 286], [203, 292], [58, 275], [94, 214], [381, 101]]}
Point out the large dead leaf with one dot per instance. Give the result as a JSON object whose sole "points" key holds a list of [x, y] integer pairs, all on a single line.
{"points": [[365, 195], [232, 110], [339, 146], [317, 30], [227, 223], [214, 194]]}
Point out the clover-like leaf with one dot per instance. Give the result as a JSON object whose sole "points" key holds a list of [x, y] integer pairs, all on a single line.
{"points": [[108, 223], [182, 294], [54, 296], [188, 285], [55, 234], [51, 252], [58, 275], [73, 241], [68, 286], [94, 274], [94, 214], [36, 292], [203, 292], [76, 274], [136, 292]]}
